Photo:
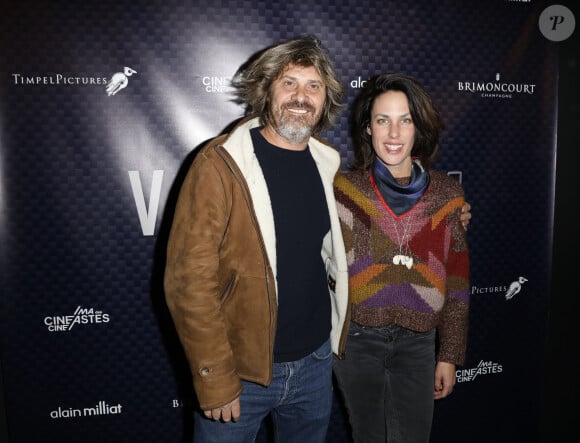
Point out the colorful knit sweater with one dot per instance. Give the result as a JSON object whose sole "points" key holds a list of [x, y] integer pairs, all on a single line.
{"points": [[434, 291]]}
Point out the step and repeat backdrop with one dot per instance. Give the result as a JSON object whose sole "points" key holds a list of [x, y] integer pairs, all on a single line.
{"points": [[103, 104]]}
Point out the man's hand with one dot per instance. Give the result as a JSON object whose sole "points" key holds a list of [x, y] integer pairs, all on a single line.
{"points": [[228, 412], [465, 215]]}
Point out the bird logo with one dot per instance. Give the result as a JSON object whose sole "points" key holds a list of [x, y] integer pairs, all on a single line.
{"points": [[515, 287], [119, 80]]}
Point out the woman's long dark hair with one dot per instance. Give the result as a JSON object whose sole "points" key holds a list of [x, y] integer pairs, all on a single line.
{"points": [[426, 118]]}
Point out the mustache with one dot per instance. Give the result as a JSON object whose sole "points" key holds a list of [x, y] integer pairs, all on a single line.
{"points": [[299, 104]]}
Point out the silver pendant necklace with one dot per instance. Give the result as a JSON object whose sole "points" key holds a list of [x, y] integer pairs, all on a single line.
{"points": [[404, 257]]}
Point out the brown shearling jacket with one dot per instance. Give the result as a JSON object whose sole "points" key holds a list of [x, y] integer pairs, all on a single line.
{"points": [[220, 276]]}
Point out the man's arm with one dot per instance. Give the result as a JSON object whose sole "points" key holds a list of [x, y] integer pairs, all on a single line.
{"points": [[192, 287]]}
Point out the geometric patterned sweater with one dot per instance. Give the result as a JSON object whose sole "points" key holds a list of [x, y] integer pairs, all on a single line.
{"points": [[434, 291]]}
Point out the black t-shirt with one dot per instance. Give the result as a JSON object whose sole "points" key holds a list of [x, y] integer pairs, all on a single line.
{"points": [[301, 221]]}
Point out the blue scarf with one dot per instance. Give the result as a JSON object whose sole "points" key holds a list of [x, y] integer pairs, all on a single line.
{"points": [[400, 198]]}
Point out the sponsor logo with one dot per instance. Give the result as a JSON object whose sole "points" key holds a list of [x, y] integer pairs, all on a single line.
{"points": [[478, 290], [215, 85], [357, 83], [482, 368], [101, 408], [81, 316], [180, 403], [495, 89], [507, 291], [514, 288], [457, 175], [119, 80], [56, 80]]}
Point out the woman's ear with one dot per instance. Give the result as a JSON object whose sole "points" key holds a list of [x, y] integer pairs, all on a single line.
{"points": [[369, 130]]}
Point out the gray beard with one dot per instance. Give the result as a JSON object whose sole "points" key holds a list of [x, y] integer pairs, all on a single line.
{"points": [[295, 133]]}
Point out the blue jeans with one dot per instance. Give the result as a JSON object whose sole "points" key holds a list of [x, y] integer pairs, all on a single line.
{"points": [[299, 399], [387, 380]]}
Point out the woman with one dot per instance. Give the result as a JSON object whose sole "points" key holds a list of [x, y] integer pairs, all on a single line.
{"points": [[408, 266]]}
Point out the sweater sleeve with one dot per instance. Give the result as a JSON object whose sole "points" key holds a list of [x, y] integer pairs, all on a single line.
{"points": [[454, 316]]}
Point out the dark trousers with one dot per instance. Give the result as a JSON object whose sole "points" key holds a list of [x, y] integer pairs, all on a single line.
{"points": [[387, 381]]}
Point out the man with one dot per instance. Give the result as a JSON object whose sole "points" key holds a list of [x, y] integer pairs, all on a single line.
{"points": [[256, 275]]}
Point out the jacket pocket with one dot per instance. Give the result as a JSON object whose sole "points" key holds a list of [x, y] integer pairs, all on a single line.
{"points": [[229, 288]]}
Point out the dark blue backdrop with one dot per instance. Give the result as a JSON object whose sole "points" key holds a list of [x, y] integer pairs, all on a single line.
{"points": [[88, 181]]}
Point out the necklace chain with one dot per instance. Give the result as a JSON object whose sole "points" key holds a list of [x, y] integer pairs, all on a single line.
{"points": [[404, 257]]}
